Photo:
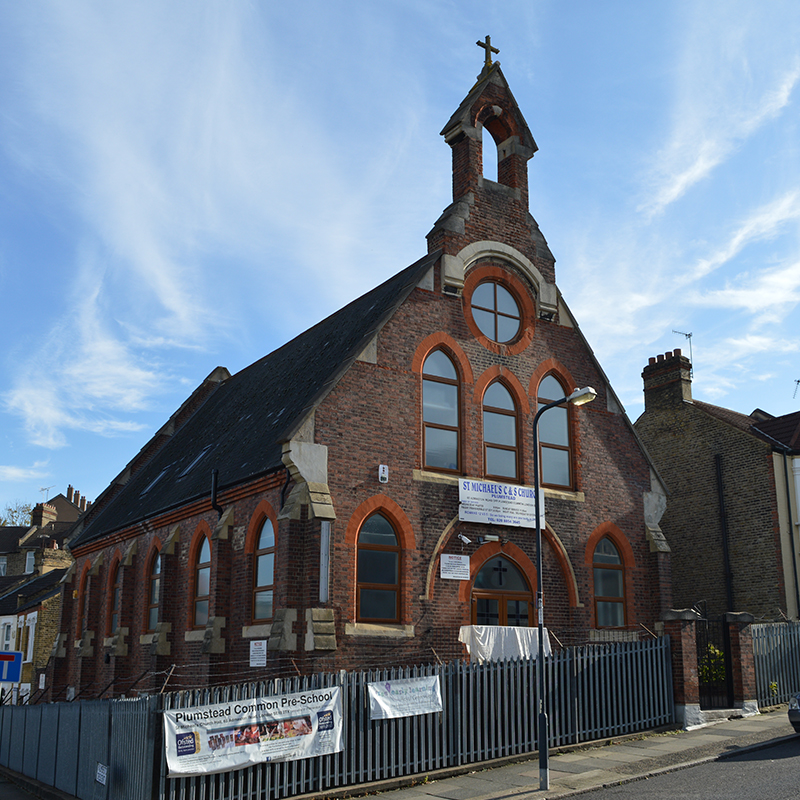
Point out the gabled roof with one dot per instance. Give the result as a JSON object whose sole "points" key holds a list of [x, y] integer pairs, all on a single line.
{"points": [[775, 431], [32, 591], [785, 429], [10, 536], [240, 427]]}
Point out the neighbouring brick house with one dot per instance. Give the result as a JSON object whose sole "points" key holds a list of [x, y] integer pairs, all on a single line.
{"points": [[734, 482], [310, 499], [33, 560]]}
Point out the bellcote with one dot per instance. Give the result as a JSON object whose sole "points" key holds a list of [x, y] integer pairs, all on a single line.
{"points": [[484, 211]]}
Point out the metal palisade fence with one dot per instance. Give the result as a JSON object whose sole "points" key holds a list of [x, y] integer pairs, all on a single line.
{"points": [[776, 648], [488, 711]]}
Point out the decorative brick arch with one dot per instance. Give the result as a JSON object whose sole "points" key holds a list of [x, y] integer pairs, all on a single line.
{"points": [[451, 347], [405, 533], [512, 383], [547, 367], [523, 296], [264, 510], [622, 544], [489, 550]]}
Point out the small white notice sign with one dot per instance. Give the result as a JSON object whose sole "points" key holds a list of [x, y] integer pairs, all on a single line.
{"points": [[258, 653], [102, 774], [454, 568]]}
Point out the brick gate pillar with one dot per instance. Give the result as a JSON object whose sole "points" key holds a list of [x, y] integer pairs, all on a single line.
{"points": [[680, 626], [743, 662]]}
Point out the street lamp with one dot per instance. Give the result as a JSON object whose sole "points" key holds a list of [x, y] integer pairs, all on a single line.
{"points": [[578, 398]]}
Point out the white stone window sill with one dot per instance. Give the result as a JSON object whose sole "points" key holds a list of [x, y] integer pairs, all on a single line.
{"points": [[561, 494], [257, 631]]}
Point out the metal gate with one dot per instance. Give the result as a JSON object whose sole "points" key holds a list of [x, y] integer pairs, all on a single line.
{"points": [[714, 664]]}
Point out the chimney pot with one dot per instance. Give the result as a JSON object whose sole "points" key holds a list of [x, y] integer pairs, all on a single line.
{"points": [[70, 490], [677, 352], [651, 361]]}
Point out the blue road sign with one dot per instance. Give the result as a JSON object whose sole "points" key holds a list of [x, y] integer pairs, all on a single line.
{"points": [[10, 666]]}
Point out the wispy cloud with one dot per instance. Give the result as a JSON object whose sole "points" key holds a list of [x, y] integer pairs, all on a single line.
{"points": [[19, 474], [732, 79]]}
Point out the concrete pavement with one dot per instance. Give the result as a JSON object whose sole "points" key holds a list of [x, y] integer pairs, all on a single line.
{"points": [[580, 768]]}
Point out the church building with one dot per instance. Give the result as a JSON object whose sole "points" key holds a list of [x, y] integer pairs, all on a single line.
{"points": [[358, 497]]}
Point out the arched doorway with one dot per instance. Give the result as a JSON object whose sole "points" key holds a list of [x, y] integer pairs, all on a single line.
{"points": [[501, 595]]}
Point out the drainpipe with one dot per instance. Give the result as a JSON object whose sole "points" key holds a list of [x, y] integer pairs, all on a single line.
{"points": [[214, 478], [791, 525], [724, 526]]}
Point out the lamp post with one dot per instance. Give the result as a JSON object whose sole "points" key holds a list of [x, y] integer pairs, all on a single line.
{"points": [[578, 398]]}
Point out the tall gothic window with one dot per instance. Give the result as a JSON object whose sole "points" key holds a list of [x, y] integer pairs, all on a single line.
{"points": [[113, 605], [264, 573], [501, 595], [440, 413], [554, 442], [501, 453], [378, 571], [202, 583], [609, 585], [154, 593]]}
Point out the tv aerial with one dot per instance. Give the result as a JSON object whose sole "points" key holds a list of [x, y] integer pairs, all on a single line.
{"points": [[46, 492], [691, 357], [796, 384]]}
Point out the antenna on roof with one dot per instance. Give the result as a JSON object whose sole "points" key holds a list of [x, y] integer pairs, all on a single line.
{"points": [[46, 490], [796, 384], [691, 357]]}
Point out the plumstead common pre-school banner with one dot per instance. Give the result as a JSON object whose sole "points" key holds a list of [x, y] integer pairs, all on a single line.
{"points": [[226, 736]]}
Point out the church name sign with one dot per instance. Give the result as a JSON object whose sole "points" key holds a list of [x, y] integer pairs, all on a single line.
{"points": [[497, 503]]}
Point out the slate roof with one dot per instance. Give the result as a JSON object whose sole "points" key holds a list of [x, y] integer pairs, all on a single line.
{"points": [[32, 590], [783, 430], [239, 428], [10, 536]]}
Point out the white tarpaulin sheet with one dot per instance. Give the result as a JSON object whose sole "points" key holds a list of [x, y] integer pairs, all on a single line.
{"points": [[226, 736], [406, 697], [501, 642]]}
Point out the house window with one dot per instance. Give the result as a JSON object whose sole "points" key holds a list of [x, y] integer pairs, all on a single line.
{"points": [[3, 565], [554, 443], [30, 636], [154, 593], [609, 586], [114, 587], [8, 632], [30, 561], [495, 311], [202, 584], [501, 595], [378, 578], [264, 572], [440, 412], [500, 432]]}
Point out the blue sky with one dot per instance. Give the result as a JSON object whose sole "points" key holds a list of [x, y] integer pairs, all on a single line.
{"points": [[190, 184]]}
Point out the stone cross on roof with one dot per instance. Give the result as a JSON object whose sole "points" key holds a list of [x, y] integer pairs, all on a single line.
{"points": [[487, 46]]}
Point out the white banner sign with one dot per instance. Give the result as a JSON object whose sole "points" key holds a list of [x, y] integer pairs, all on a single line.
{"points": [[226, 736], [405, 697], [497, 503], [454, 568]]}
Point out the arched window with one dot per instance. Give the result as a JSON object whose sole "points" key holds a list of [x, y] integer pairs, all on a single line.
{"points": [[609, 585], [501, 595], [495, 311], [202, 583], [114, 591], [554, 444], [440, 413], [378, 571], [264, 572], [500, 433], [82, 618], [154, 593]]}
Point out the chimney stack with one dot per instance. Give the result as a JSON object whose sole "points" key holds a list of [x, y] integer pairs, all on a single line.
{"points": [[70, 490], [667, 381], [43, 514]]}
